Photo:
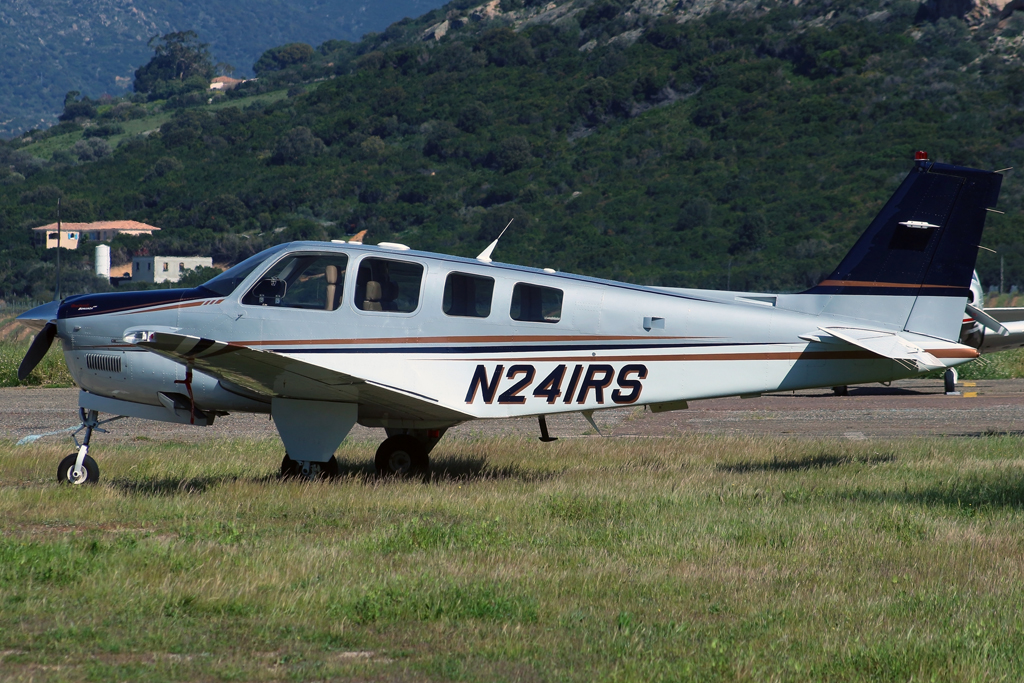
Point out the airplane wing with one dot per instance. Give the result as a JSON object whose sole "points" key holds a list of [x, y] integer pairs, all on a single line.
{"points": [[273, 374], [989, 321], [888, 345], [1006, 315]]}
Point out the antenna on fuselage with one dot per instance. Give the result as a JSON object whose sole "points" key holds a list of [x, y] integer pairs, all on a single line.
{"points": [[56, 291], [485, 255]]}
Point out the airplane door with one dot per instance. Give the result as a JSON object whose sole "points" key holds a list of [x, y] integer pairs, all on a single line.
{"points": [[297, 301]]}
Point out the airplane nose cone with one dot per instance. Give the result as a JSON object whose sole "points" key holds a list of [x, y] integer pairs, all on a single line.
{"points": [[37, 317]]}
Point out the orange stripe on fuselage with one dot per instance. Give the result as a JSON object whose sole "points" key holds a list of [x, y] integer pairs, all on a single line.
{"points": [[901, 285], [188, 304]]}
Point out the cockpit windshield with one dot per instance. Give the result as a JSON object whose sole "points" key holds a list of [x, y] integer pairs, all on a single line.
{"points": [[226, 282]]}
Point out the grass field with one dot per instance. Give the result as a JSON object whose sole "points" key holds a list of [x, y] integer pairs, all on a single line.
{"points": [[586, 559]]}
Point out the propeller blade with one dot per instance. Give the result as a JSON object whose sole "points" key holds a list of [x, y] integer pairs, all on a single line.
{"points": [[40, 345]]}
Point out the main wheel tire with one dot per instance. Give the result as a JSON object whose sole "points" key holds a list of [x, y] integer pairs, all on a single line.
{"points": [[66, 470], [317, 470], [949, 381], [402, 456]]}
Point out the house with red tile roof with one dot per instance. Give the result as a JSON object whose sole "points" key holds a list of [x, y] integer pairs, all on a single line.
{"points": [[97, 231]]}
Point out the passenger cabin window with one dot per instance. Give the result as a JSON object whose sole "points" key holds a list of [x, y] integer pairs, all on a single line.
{"points": [[310, 281], [386, 285], [531, 303], [467, 295]]}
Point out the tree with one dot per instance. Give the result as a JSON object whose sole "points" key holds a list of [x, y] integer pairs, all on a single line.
{"points": [[297, 146], [277, 58], [75, 108], [177, 57], [513, 153], [91, 149], [193, 277]]}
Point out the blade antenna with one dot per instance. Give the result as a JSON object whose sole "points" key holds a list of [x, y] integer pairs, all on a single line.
{"points": [[485, 255], [56, 292]]}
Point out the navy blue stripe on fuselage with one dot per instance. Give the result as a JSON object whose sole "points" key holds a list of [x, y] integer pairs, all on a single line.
{"points": [[121, 302], [532, 348]]}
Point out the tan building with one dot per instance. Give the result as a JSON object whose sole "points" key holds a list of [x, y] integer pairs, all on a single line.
{"points": [[166, 268], [99, 231]]}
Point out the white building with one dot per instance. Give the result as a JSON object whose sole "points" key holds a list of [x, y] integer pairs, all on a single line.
{"points": [[165, 268]]}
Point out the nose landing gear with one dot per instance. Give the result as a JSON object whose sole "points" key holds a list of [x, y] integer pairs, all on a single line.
{"points": [[79, 467], [71, 470]]}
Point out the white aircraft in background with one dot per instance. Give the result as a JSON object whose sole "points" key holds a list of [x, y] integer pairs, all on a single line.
{"points": [[987, 329]]}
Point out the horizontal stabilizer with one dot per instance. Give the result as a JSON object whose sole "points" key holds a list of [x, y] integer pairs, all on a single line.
{"points": [[888, 345]]}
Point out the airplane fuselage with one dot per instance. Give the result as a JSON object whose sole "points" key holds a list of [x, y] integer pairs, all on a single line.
{"points": [[601, 345]]}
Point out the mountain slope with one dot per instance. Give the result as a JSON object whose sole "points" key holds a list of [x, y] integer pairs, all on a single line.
{"points": [[48, 47], [713, 144]]}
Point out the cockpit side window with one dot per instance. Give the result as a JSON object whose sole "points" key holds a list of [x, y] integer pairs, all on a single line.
{"points": [[467, 295], [532, 303], [226, 282], [386, 285], [310, 281]]}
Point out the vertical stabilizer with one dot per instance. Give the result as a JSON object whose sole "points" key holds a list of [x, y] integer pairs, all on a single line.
{"points": [[916, 259]]}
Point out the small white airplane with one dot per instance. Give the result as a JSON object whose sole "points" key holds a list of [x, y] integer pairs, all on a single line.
{"points": [[323, 335], [987, 329], [991, 329]]}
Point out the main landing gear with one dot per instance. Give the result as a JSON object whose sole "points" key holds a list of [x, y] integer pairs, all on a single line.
{"points": [[402, 455], [406, 452], [79, 467], [308, 470]]}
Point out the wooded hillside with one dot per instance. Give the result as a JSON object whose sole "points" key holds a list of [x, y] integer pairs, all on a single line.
{"points": [[50, 47], [718, 144]]}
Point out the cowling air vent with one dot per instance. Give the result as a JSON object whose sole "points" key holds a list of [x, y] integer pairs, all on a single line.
{"points": [[102, 361]]}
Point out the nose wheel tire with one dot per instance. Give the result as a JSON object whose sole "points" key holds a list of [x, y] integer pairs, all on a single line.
{"points": [[308, 470], [66, 471], [402, 456]]}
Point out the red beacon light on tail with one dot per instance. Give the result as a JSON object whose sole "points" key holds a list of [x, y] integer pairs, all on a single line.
{"points": [[920, 156]]}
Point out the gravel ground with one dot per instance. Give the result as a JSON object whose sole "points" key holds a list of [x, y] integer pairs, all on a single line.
{"points": [[908, 408]]}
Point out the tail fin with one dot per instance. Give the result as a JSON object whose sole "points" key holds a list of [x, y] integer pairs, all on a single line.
{"points": [[921, 249]]}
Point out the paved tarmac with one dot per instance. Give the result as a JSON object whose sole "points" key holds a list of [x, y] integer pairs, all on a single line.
{"points": [[906, 409]]}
